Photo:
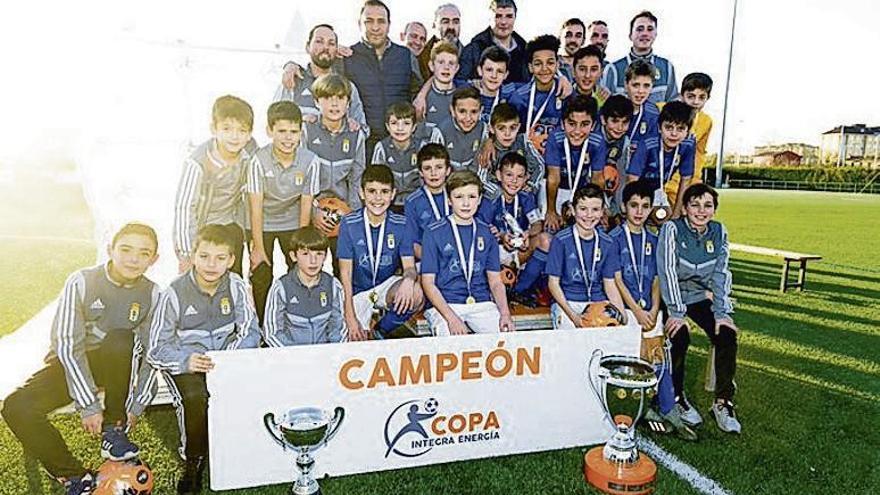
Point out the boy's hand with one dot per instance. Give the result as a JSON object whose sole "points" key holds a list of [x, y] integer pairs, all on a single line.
{"points": [[673, 325], [94, 423], [726, 322], [553, 222], [310, 118], [497, 233], [199, 363], [353, 125], [564, 88], [323, 223], [183, 264], [343, 51], [292, 72], [602, 92], [421, 104], [404, 296], [356, 332], [258, 256], [457, 327], [527, 238], [644, 318], [487, 154], [506, 322]]}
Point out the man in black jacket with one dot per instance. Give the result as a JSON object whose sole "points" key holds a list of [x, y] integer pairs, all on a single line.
{"points": [[500, 33]]}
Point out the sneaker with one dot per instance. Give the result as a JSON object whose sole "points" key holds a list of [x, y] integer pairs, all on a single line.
{"points": [[116, 446], [725, 417], [687, 412], [681, 430], [80, 485], [191, 481], [528, 299], [655, 423]]}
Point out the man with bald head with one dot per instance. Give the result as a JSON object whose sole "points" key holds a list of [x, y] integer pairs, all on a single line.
{"points": [[414, 36], [447, 26]]}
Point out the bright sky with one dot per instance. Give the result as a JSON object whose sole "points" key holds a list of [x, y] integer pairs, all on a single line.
{"points": [[77, 72]]}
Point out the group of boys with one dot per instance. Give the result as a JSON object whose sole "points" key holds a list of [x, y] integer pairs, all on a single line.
{"points": [[477, 180]]}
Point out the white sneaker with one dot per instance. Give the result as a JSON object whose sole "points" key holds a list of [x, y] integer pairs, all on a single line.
{"points": [[725, 417], [687, 412]]}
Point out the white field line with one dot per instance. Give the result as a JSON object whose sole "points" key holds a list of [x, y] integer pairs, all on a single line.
{"points": [[681, 469]]}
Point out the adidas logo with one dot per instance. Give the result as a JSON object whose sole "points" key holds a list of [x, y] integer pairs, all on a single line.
{"points": [[360, 242], [447, 247], [449, 146], [294, 300], [390, 159], [190, 311], [306, 92], [432, 109], [98, 304], [316, 141]]}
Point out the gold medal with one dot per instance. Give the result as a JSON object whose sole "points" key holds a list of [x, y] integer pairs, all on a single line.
{"points": [[642, 303], [470, 300], [414, 160]]}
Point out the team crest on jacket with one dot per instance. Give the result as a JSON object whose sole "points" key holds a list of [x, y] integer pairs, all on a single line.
{"points": [[298, 178], [656, 73], [480, 244], [675, 160], [134, 312], [710, 247], [390, 241], [643, 128], [323, 298], [346, 145], [598, 255], [648, 249], [613, 153], [475, 146], [225, 306]]}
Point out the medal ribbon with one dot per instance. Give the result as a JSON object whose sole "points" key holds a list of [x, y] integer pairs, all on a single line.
{"points": [[572, 186], [374, 260], [530, 119], [640, 268], [434, 207], [467, 267], [580, 253]]}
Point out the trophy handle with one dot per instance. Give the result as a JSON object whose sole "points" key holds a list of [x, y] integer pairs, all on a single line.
{"points": [[336, 422], [272, 428], [600, 396]]}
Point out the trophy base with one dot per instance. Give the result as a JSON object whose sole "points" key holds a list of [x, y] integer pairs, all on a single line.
{"points": [[619, 479]]}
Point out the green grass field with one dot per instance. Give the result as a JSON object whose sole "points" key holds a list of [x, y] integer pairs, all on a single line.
{"points": [[808, 369]]}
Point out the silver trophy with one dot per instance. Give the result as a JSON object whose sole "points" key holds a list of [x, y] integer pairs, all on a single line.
{"points": [[621, 383], [304, 430]]}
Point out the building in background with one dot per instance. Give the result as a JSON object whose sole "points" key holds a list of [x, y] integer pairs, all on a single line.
{"points": [[851, 145], [807, 154], [784, 158]]}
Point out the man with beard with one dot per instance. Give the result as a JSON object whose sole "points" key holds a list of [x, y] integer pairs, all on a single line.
{"points": [[447, 26], [572, 37], [598, 31], [643, 32], [323, 51], [414, 36], [383, 71], [500, 33]]}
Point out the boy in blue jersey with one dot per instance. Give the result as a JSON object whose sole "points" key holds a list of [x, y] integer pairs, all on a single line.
{"points": [[505, 138], [524, 247], [428, 204], [463, 133], [205, 309], [614, 117], [399, 150], [99, 334], [657, 158], [493, 71], [373, 246], [538, 102], [643, 124], [582, 262], [304, 306], [639, 288], [280, 183], [213, 178], [570, 157], [461, 270]]}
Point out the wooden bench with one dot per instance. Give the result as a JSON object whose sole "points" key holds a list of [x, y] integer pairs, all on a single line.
{"points": [[788, 257]]}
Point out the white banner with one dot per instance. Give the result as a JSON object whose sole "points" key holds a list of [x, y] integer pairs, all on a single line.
{"points": [[409, 402]]}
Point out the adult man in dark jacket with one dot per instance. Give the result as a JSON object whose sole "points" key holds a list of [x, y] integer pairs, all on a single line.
{"points": [[500, 33], [384, 72]]}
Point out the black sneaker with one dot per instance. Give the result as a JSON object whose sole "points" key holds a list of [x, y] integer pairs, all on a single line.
{"points": [[191, 481], [116, 446], [528, 300], [80, 485]]}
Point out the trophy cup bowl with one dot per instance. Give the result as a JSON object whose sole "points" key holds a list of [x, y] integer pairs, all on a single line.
{"points": [[621, 384], [304, 430]]}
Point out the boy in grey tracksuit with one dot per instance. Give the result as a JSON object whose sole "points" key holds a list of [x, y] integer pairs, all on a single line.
{"points": [[99, 335], [205, 309], [305, 305], [695, 281]]}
